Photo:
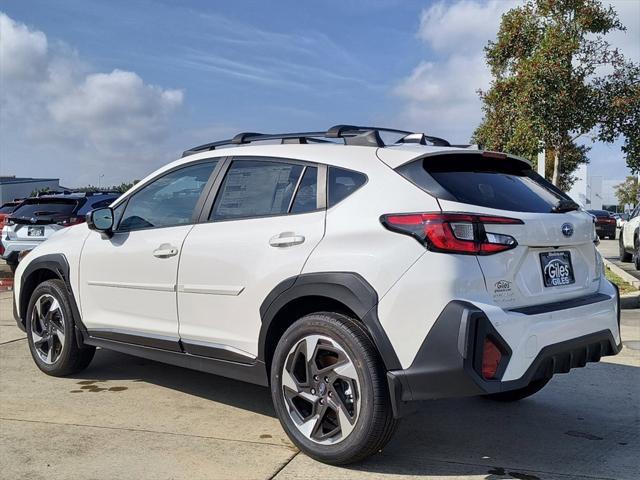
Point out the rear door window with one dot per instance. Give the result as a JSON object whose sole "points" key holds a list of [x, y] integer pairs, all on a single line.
{"points": [[502, 184], [342, 183], [255, 188]]}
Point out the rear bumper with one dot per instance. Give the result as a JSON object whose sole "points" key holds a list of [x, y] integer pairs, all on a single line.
{"points": [[12, 248], [449, 361], [606, 230]]}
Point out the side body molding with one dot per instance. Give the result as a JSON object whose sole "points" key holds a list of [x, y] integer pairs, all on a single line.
{"points": [[348, 288]]}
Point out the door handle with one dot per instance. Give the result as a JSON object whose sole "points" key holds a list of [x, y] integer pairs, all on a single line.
{"points": [[286, 239], [165, 251]]}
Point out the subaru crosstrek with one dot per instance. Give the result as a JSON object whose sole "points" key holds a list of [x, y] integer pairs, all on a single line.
{"points": [[351, 276]]}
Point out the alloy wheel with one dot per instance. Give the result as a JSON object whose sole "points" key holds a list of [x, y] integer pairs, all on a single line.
{"points": [[48, 328], [321, 389]]}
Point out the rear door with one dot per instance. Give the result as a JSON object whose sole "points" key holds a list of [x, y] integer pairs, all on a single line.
{"points": [[555, 259], [261, 226]]}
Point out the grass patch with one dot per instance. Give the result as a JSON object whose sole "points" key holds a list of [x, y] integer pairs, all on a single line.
{"points": [[622, 285]]}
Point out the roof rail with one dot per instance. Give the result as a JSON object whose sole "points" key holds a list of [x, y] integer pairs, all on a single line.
{"points": [[350, 134]]}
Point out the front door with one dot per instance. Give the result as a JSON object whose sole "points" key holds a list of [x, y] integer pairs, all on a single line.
{"points": [[128, 281]]}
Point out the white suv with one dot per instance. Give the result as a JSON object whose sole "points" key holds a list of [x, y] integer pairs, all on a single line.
{"points": [[352, 277], [629, 241]]}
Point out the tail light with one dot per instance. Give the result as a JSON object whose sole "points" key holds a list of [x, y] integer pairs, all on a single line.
{"points": [[491, 356], [69, 222], [463, 233]]}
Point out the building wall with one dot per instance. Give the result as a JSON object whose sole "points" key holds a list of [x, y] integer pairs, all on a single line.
{"points": [[21, 189]]}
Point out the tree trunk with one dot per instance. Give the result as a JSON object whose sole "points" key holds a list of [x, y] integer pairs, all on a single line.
{"points": [[556, 167]]}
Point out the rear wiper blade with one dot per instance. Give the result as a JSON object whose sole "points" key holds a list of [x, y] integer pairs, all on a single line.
{"points": [[565, 205]]}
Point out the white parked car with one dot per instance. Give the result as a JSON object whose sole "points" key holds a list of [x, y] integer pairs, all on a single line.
{"points": [[353, 278], [629, 241]]}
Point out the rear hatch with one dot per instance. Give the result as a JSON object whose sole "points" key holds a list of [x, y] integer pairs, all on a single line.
{"points": [[37, 218], [555, 257]]}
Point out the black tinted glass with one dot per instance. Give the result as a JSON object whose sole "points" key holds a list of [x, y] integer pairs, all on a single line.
{"points": [[7, 208], [253, 188], [343, 183], [307, 195], [494, 183], [45, 208], [169, 200]]}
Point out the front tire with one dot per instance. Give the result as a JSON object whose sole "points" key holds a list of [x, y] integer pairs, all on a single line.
{"points": [[329, 389], [519, 394], [51, 331]]}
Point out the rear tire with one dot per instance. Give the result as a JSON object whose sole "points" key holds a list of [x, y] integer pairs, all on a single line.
{"points": [[51, 331], [624, 255], [333, 403], [519, 394]]}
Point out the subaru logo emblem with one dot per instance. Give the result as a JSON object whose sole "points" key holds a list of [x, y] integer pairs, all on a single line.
{"points": [[567, 229]]}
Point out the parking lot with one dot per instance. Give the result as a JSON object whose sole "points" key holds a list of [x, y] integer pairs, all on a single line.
{"points": [[609, 250], [129, 418]]}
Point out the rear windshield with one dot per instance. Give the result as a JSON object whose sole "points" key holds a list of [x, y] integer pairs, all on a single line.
{"points": [[45, 208], [7, 208], [502, 184], [599, 213]]}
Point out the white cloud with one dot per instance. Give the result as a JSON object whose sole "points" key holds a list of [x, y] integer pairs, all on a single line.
{"points": [[51, 99], [440, 95], [629, 41], [462, 27]]}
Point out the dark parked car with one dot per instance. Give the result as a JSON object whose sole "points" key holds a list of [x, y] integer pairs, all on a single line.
{"points": [[37, 218], [605, 223]]}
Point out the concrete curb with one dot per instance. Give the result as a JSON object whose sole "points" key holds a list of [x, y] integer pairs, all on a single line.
{"points": [[622, 274]]}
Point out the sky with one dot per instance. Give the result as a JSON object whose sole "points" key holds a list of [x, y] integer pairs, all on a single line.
{"points": [[97, 92]]}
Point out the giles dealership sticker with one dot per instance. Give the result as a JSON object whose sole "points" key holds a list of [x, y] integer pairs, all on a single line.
{"points": [[503, 291]]}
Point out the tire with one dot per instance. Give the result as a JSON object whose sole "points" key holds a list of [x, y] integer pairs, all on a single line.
{"points": [[357, 387], [519, 394], [51, 331], [624, 255]]}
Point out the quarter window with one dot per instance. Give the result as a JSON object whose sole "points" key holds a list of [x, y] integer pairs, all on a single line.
{"points": [[168, 201], [343, 183], [253, 188]]}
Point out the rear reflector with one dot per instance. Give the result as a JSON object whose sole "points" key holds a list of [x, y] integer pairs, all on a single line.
{"points": [[463, 233], [491, 357]]}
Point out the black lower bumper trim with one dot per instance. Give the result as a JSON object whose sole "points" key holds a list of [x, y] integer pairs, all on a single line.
{"points": [[448, 363], [563, 305]]}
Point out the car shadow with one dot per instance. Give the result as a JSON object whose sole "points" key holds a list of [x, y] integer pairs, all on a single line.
{"points": [[584, 424]]}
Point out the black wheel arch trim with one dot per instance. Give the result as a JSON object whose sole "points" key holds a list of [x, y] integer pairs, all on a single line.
{"points": [[348, 288], [57, 264]]}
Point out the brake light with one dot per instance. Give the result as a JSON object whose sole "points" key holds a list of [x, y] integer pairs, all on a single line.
{"points": [[491, 356], [463, 233], [71, 221]]}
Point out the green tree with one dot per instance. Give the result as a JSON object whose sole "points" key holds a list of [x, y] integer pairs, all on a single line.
{"points": [[554, 76], [628, 192], [39, 191]]}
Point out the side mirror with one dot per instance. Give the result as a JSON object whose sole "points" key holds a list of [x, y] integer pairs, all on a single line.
{"points": [[101, 220]]}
